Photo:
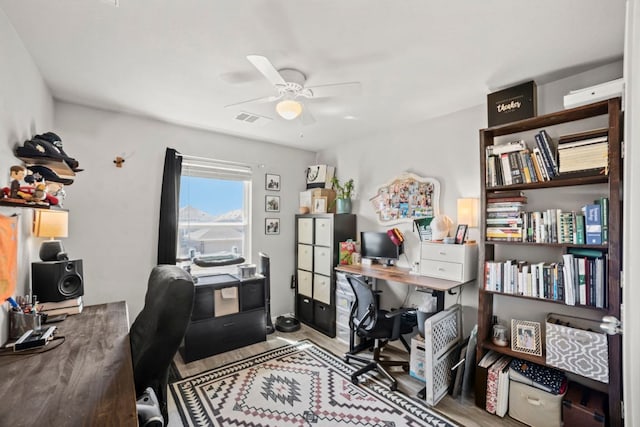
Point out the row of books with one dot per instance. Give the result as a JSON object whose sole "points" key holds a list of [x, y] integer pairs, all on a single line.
{"points": [[515, 163], [580, 278], [508, 221], [587, 151], [70, 306]]}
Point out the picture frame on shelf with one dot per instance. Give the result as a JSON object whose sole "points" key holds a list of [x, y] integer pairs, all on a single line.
{"points": [[320, 204], [272, 204], [461, 234], [272, 182], [526, 337], [271, 226]]}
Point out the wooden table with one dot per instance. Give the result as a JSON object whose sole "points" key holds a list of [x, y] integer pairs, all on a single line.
{"points": [[404, 276], [87, 380]]}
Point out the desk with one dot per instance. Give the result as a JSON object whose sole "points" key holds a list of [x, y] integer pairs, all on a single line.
{"points": [[87, 380], [403, 275]]}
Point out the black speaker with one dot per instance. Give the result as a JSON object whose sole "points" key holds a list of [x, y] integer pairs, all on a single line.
{"points": [[55, 281]]}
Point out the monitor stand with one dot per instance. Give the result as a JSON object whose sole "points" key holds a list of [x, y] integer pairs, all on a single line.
{"points": [[387, 263]]}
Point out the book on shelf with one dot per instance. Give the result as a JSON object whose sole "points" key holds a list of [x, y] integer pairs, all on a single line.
{"points": [[75, 309], [603, 202], [506, 147], [481, 379], [493, 376], [539, 164], [505, 164], [43, 306], [546, 156], [548, 145], [592, 224], [502, 404], [505, 193], [580, 238], [515, 165]]}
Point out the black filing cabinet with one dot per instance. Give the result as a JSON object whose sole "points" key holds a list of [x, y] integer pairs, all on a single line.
{"points": [[228, 313]]}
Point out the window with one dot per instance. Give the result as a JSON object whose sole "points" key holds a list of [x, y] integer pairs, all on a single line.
{"points": [[214, 210]]}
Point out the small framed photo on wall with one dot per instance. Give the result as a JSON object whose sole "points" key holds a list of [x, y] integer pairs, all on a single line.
{"points": [[272, 182], [272, 226], [272, 204]]}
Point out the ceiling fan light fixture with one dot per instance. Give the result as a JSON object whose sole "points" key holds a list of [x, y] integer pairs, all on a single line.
{"points": [[289, 109]]}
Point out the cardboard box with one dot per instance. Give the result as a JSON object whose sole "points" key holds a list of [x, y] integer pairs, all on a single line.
{"points": [[417, 362], [512, 104], [330, 196]]}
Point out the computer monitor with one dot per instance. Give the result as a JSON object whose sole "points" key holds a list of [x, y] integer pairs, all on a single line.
{"points": [[379, 246]]}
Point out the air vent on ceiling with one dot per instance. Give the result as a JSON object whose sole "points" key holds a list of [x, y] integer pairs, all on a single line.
{"points": [[252, 119]]}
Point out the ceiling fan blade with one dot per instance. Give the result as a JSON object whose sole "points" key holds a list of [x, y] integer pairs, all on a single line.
{"points": [[336, 89], [256, 101], [267, 69]]}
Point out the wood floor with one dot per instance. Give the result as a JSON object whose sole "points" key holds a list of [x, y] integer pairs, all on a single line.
{"points": [[462, 410]]}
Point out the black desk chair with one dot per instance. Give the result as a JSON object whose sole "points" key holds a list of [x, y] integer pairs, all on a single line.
{"points": [[155, 337], [371, 323]]}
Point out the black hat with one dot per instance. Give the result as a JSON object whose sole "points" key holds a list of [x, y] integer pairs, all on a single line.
{"points": [[42, 172], [38, 148], [53, 143]]}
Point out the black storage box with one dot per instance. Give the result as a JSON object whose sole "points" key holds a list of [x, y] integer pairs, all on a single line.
{"points": [[584, 407], [512, 104]]}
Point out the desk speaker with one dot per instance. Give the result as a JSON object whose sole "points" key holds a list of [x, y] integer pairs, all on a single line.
{"points": [[55, 281]]}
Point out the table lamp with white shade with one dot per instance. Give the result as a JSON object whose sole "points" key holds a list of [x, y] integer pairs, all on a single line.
{"points": [[52, 224]]}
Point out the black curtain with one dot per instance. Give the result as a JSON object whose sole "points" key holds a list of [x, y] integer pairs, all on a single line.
{"points": [[169, 201]]}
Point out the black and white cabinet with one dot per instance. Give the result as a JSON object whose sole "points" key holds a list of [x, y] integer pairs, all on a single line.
{"points": [[318, 238]]}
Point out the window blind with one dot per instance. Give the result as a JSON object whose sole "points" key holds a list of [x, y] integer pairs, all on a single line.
{"points": [[219, 169]]}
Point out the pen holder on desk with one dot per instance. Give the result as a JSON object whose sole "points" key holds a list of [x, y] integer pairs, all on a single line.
{"points": [[20, 322]]}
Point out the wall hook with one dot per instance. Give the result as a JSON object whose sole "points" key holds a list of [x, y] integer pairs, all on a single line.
{"points": [[118, 161]]}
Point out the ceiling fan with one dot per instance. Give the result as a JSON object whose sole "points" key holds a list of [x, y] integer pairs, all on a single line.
{"points": [[291, 91]]}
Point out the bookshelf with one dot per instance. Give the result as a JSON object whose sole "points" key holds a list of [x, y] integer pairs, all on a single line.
{"points": [[600, 117]]}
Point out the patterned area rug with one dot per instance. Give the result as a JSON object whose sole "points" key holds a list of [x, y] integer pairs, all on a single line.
{"points": [[294, 385]]}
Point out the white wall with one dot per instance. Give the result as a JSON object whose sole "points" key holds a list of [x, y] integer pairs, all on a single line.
{"points": [[113, 218], [445, 148], [26, 108]]}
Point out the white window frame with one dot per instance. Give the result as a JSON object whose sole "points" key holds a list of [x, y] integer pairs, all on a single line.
{"points": [[222, 170]]}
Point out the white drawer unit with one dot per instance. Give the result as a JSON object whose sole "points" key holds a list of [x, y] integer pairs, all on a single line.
{"points": [[322, 288], [450, 262], [305, 230], [305, 283], [322, 262], [342, 317], [305, 257], [318, 238], [323, 232]]}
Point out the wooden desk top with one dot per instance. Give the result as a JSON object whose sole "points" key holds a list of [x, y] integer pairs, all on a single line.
{"points": [[87, 380], [398, 274]]}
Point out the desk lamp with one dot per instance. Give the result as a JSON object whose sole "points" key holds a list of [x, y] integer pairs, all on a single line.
{"points": [[468, 212], [51, 223]]}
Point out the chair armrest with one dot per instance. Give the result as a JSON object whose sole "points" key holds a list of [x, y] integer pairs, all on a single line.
{"points": [[397, 312]]}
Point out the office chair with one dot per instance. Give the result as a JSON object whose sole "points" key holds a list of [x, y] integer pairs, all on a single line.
{"points": [[155, 337], [371, 323]]}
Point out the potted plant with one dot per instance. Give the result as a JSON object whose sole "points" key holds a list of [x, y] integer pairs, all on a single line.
{"points": [[343, 195]]}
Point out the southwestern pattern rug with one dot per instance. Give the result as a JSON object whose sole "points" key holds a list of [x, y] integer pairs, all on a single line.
{"points": [[295, 385]]}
